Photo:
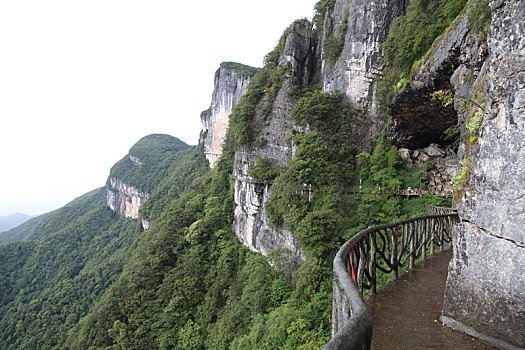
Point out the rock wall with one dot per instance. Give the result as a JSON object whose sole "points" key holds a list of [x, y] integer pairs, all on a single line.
{"points": [[250, 222], [356, 68], [485, 290], [124, 199], [231, 81]]}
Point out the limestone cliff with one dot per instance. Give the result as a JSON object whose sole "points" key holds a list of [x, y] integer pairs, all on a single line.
{"points": [[250, 222], [353, 66], [231, 81], [136, 176], [124, 199], [486, 283]]}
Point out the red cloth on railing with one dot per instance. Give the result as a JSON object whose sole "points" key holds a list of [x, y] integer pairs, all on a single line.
{"points": [[352, 261]]}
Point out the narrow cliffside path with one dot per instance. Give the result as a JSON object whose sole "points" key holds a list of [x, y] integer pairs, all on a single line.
{"points": [[406, 312]]}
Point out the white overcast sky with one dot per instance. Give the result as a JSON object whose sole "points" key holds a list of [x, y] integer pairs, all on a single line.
{"points": [[82, 81]]}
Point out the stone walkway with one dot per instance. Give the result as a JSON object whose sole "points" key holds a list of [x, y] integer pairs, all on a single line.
{"points": [[406, 312]]}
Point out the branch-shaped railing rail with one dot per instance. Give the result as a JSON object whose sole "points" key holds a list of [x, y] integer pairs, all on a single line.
{"points": [[386, 248]]}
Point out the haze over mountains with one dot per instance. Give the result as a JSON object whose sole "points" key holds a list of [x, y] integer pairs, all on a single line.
{"points": [[8, 222], [31, 208]]}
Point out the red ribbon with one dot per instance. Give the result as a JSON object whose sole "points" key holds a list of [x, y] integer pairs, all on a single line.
{"points": [[352, 261]]}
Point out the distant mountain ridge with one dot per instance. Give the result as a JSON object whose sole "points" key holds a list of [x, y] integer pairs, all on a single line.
{"points": [[8, 222], [33, 208]]}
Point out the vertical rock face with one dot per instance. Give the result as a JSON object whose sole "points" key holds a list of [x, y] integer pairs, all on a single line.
{"points": [[297, 50], [355, 69], [231, 81], [125, 200], [250, 223], [486, 282]]}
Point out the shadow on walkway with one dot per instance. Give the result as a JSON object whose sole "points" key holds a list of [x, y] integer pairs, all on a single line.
{"points": [[406, 312]]}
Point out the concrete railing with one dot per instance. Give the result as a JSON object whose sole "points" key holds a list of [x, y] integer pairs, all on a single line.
{"points": [[386, 248]]}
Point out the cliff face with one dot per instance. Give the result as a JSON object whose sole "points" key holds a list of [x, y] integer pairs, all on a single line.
{"points": [[355, 70], [250, 222], [486, 282], [231, 81], [124, 199]]}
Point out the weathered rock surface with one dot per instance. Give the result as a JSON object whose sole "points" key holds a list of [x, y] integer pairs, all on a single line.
{"points": [[250, 223], [486, 282], [356, 69], [124, 199], [231, 81], [298, 52], [354, 73]]}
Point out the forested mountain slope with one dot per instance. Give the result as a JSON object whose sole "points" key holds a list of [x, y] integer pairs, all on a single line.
{"points": [[72, 255]]}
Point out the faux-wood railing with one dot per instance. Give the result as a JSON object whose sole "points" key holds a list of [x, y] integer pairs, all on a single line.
{"points": [[386, 248]]}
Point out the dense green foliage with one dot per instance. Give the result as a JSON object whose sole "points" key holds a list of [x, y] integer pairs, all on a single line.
{"points": [[263, 169], [72, 255], [411, 36], [157, 154], [320, 9], [325, 164], [49, 283], [191, 165]]}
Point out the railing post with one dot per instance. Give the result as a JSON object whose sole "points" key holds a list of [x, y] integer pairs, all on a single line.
{"points": [[424, 239], [393, 259], [372, 270], [362, 266], [442, 234], [412, 245], [432, 235]]}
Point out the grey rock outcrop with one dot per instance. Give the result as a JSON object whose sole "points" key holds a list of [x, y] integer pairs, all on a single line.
{"points": [[355, 71], [231, 81], [124, 199], [485, 289], [250, 222], [298, 52]]}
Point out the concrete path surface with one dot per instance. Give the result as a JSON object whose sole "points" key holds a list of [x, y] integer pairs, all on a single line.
{"points": [[406, 312]]}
